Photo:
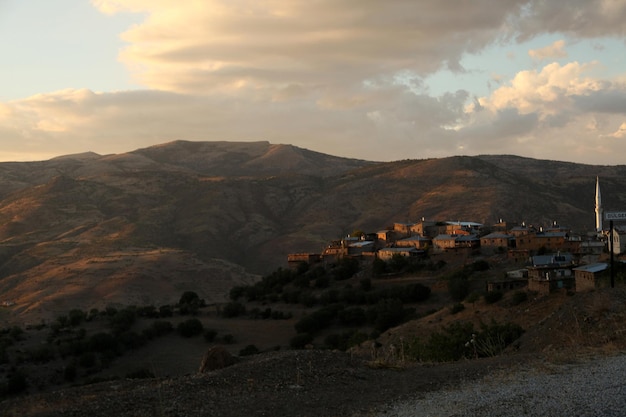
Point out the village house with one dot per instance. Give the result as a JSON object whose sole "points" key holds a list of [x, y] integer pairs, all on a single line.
{"points": [[402, 229], [388, 236], [444, 242], [496, 240], [295, 259], [447, 242], [387, 253], [550, 241], [361, 247], [418, 242], [425, 228], [507, 284], [549, 273], [522, 230], [589, 277]]}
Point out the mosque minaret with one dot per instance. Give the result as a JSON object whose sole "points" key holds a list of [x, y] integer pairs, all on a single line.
{"points": [[598, 207]]}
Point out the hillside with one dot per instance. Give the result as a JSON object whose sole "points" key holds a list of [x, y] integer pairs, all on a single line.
{"points": [[91, 230]]}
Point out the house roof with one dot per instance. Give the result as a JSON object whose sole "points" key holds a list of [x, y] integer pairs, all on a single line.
{"points": [[466, 238], [416, 237], [361, 244], [496, 235], [597, 267], [465, 224], [445, 237], [552, 259], [400, 250], [551, 234]]}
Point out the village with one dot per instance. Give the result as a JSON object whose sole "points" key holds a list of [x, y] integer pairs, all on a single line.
{"points": [[542, 259]]}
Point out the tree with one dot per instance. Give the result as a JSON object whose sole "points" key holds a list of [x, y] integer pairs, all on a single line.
{"points": [[190, 328]]}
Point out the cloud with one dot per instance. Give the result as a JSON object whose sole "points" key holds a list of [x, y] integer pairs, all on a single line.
{"points": [[556, 112], [556, 50], [344, 77]]}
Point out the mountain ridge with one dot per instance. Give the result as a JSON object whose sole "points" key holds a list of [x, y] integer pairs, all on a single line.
{"points": [[240, 208]]}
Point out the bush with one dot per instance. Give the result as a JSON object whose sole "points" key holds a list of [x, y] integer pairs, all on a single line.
{"points": [[493, 297], [457, 308], [249, 350], [233, 309], [458, 287], [76, 317], [190, 328], [16, 383], [460, 340], [158, 328], [300, 340], [69, 373], [210, 335], [519, 297], [141, 373]]}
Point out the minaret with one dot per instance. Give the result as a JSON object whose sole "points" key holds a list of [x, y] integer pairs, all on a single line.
{"points": [[598, 207]]}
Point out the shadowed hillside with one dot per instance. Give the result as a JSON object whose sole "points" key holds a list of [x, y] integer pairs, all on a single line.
{"points": [[88, 230]]}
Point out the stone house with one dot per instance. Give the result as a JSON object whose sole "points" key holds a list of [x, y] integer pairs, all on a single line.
{"points": [[507, 284], [549, 273], [419, 242], [295, 259], [444, 241], [425, 228], [388, 253], [496, 240], [589, 277]]}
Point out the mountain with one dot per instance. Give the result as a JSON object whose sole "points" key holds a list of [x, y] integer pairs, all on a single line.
{"points": [[89, 230]]}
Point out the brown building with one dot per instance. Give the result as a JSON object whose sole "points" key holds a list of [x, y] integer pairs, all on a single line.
{"points": [[592, 276], [496, 240], [419, 242], [550, 273]]}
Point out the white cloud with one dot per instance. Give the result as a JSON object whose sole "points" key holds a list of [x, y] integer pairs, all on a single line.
{"points": [[554, 51]]}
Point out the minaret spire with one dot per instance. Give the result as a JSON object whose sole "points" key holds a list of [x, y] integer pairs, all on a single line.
{"points": [[598, 207]]}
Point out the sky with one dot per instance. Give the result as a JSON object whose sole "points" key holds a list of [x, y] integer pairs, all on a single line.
{"points": [[375, 80]]}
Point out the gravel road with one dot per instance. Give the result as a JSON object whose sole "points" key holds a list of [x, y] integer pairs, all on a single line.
{"points": [[593, 388]]}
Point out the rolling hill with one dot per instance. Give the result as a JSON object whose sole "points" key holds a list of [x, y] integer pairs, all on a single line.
{"points": [[89, 230]]}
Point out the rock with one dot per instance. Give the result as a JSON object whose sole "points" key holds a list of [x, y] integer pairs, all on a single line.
{"points": [[216, 358]]}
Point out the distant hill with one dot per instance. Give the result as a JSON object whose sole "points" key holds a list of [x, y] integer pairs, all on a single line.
{"points": [[141, 227]]}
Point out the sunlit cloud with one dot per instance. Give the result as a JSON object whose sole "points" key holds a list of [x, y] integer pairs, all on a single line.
{"points": [[554, 51]]}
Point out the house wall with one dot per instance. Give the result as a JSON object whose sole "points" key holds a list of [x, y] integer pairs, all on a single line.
{"points": [[546, 286], [585, 281]]}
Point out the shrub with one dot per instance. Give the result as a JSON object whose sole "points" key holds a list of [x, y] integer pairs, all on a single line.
{"points": [[386, 314], [461, 340], [141, 373], [69, 372], [166, 311], [16, 383], [300, 340], [76, 317], [190, 328], [249, 350], [158, 328], [458, 287], [233, 309], [210, 335], [519, 297], [366, 284], [493, 297], [457, 308]]}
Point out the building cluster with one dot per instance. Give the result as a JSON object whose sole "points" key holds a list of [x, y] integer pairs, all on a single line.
{"points": [[553, 257]]}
